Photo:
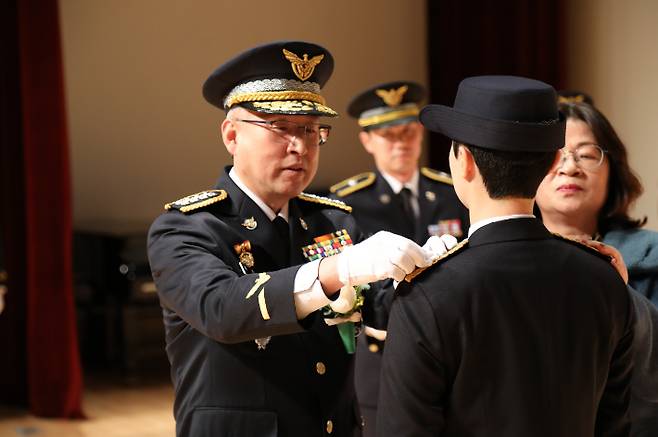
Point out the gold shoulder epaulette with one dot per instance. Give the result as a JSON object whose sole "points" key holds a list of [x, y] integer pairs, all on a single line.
{"points": [[196, 201], [324, 201], [582, 245], [436, 175], [452, 251], [352, 184]]}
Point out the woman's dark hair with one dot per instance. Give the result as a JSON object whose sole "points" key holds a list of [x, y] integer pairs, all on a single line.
{"points": [[624, 187]]}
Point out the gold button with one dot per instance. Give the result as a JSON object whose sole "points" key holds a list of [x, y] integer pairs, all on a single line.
{"points": [[373, 348], [330, 426], [320, 368]]}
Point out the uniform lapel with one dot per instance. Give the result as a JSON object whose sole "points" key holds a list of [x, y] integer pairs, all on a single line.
{"points": [[299, 236], [244, 214], [395, 208], [426, 207]]}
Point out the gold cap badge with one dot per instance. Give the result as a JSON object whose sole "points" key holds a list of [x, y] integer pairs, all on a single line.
{"points": [[303, 68], [394, 96]]}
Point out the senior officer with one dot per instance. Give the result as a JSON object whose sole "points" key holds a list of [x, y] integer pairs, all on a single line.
{"points": [[515, 332], [244, 312], [398, 197]]}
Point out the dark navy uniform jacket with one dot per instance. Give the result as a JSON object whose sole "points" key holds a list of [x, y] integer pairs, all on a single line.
{"points": [[516, 334], [301, 384], [376, 207]]}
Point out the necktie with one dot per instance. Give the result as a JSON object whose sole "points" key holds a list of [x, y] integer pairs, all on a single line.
{"points": [[282, 228], [405, 196], [409, 216]]}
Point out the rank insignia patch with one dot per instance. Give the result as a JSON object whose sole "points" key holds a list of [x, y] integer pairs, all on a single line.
{"points": [[196, 201], [327, 245]]}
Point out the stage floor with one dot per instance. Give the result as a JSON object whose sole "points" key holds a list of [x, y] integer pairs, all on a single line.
{"points": [[113, 409]]}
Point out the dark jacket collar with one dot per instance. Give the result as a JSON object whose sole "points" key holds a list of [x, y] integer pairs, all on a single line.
{"points": [[509, 230]]}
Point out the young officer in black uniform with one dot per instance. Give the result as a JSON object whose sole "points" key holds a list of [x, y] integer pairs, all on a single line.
{"points": [[398, 197], [249, 273], [516, 331]]}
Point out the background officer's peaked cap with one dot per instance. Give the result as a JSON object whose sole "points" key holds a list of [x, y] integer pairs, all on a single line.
{"points": [[387, 104]]}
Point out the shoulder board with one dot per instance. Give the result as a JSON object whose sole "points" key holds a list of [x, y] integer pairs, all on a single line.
{"points": [[324, 201], [582, 245], [196, 201], [441, 258], [352, 184], [436, 175]]}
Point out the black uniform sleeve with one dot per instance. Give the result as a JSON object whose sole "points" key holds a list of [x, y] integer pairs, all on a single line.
{"points": [[414, 377], [612, 419], [197, 278], [644, 388]]}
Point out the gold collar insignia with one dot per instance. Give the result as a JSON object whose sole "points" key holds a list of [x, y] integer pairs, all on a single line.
{"points": [[250, 223], [303, 68]]}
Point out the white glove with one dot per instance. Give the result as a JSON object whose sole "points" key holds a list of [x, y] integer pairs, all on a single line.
{"points": [[384, 255], [437, 246], [434, 247]]}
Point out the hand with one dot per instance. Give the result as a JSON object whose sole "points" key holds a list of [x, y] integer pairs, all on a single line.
{"points": [[437, 246], [384, 255], [616, 260], [345, 300]]}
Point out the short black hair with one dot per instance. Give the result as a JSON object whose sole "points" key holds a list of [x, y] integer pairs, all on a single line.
{"points": [[510, 174]]}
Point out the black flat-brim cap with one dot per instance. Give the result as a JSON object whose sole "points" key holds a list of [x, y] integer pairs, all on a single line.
{"points": [[506, 113], [283, 77]]}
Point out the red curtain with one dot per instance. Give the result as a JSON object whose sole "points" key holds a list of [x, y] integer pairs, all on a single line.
{"points": [[41, 247], [470, 38]]}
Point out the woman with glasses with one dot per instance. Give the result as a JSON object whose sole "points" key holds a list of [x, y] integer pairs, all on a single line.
{"points": [[590, 191], [588, 194]]}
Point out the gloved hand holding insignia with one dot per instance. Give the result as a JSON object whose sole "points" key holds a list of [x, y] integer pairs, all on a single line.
{"points": [[437, 246], [384, 255]]}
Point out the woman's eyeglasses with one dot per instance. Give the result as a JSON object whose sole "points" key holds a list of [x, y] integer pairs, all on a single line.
{"points": [[586, 156]]}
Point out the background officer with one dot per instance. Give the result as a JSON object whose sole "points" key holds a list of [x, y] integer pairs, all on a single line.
{"points": [[398, 197]]}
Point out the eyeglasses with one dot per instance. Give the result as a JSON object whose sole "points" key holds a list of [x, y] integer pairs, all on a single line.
{"points": [[288, 131], [586, 156]]}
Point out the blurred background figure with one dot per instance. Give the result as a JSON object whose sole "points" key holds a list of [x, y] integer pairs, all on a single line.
{"points": [[588, 194], [397, 196]]}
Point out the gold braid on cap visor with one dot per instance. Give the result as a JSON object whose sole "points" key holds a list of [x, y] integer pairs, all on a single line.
{"points": [[388, 116], [264, 96], [274, 89]]}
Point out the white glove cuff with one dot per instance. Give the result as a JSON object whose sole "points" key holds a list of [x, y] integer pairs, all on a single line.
{"points": [[343, 266]]}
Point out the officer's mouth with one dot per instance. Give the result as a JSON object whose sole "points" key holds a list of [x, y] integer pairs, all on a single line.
{"points": [[294, 169]]}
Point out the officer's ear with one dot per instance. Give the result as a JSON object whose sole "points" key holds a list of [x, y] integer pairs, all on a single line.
{"points": [[366, 140], [464, 163], [229, 134]]}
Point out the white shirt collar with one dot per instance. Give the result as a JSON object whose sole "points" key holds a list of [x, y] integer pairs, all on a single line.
{"points": [[481, 223], [397, 186], [257, 200]]}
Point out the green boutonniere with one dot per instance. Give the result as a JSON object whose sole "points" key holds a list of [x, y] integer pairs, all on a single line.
{"points": [[346, 321]]}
